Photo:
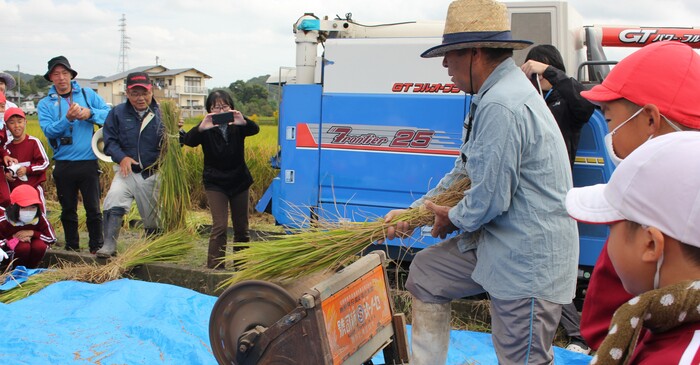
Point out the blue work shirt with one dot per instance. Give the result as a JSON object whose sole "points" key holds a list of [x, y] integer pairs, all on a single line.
{"points": [[52, 111], [514, 214]]}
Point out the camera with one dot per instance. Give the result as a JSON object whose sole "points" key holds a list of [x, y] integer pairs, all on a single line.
{"points": [[222, 118], [65, 141]]}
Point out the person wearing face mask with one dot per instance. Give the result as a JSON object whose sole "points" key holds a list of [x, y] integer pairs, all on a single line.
{"points": [[654, 246], [649, 93], [24, 228]]}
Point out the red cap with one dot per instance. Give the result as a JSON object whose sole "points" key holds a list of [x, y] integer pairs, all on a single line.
{"points": [[666, 74], [12, 112], [25, 195], [139, 79]]}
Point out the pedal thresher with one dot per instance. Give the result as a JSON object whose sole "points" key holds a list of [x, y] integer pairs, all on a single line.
{"points": [[345, 319]]}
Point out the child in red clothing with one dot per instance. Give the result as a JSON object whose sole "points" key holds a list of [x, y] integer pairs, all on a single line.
{"points": [[637, 113], [24, 227], [31, 157], [654, 246], [6, 159]]}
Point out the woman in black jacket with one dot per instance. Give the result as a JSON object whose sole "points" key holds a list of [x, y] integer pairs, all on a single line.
{"points": [[561, 93], [226, 175]]}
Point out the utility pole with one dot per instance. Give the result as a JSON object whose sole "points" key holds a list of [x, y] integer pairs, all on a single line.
{"points": [[123, 57], [19, 87]]}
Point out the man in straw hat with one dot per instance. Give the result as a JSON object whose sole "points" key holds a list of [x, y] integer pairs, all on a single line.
{"points": [[649, 93], [67, 116], [516, 241]]}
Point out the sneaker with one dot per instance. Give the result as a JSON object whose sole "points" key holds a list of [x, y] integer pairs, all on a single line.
{"points": [[579, 347]]}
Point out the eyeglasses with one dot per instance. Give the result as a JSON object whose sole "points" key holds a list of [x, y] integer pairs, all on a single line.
{"points": [[221, 108], [137, 95]]}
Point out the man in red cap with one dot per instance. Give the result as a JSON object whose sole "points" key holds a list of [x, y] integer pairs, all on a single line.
{"points": [[133, 134], [649, 93]]}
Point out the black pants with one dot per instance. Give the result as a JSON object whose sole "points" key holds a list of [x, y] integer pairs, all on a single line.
{"points": [[72, 177]]}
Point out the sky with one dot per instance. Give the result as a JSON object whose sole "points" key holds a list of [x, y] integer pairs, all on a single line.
{"points": [[232, 40]]}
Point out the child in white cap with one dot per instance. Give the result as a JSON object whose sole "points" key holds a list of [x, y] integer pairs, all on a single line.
{"points": [[652, 205]]}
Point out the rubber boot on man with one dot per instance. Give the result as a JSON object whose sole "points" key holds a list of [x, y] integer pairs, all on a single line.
{"points": [[430, 332], [113, 220]]}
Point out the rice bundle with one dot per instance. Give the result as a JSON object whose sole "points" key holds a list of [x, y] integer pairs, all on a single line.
{"points": [[166, 248], [174, 189], [327, 245]]}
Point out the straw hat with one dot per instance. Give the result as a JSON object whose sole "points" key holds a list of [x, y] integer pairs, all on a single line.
{"points": [[476, 24], [8, 79]]}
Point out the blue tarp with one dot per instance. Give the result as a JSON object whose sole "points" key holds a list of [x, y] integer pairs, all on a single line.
{"points": [[19, 275], [135, 322]]}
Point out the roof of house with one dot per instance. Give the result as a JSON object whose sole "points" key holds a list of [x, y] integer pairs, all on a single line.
{"points": [[178, 71], [166, 72]]}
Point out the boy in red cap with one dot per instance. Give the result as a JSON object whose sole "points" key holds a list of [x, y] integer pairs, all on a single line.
{"points": [[654, 245], [31, 157], [649, 93], [24, 228]]}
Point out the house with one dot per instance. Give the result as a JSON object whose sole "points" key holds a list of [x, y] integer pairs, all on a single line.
{"points": [[86, 83], [185, 86]]}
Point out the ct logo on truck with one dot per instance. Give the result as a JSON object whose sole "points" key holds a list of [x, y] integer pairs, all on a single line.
{"points": [[636, 37], [378, 138], [410, 87]]}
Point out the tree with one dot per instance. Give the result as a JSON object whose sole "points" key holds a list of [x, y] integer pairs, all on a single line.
{"points": [[246, 93]]}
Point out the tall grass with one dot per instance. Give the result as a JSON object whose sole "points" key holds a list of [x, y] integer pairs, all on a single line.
{"points": [[258, 150], [174, 199]]}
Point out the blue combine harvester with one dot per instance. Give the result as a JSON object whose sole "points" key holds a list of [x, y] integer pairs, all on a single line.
{"points": [[370, 126]]}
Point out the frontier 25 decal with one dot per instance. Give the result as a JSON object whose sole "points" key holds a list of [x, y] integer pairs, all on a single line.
{"points": [[377, 138]]}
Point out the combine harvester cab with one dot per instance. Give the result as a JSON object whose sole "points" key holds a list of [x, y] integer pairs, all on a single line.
{"points": [[370, 126]]}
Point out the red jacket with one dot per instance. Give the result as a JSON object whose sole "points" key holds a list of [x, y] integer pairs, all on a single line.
{"points": [[604, 295], [31, 154], [42, 229], [670, 347]]}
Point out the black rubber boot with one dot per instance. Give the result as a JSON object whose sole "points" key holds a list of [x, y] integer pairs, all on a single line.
{"points": [[112, 225]]}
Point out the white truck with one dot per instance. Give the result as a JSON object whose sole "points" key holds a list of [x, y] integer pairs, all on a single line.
{"points": [[28, 107]]}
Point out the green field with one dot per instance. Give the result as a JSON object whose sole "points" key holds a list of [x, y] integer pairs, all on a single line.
{"points": [[259, 149]]}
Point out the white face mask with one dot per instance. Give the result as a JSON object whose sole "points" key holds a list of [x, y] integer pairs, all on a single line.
{"points": [[27, 215], [609, 141], [657, 275]]}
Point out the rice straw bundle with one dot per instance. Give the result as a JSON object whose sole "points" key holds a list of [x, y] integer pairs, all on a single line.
{"points": [[327, 245], [166, 248], [174, 197]]}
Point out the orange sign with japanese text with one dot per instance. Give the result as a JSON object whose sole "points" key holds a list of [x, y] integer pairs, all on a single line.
{"points": [[356, 313]]}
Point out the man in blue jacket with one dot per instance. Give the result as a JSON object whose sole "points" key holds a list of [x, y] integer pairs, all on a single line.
{"points": [[67, 117], [133, 133]]}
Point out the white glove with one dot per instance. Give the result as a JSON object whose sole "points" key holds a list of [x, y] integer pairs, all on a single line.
{"points": [[3, 255]]}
